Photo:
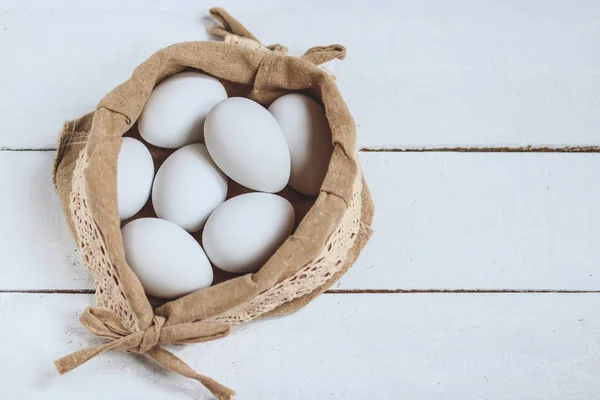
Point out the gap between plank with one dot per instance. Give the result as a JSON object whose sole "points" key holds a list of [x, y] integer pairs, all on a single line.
{"points": [[25, 149], [434, 291], [348, 291], [522, 149]]}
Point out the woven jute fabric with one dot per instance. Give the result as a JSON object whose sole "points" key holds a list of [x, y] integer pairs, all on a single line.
{"points": [[324, 245]]}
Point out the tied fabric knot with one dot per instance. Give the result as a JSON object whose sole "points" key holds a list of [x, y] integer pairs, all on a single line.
{"points": [[151, 335], [106, 324], [265, 90], [232, 31]]}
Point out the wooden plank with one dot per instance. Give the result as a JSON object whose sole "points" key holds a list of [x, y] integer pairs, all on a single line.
{"points": [[450, 346], [482, 221], [37, 250], [443, 221], [418, 74]]}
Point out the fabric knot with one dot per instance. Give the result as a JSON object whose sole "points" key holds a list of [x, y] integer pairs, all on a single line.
{"points": [[151, 336], [232, 31], [106, 324]]}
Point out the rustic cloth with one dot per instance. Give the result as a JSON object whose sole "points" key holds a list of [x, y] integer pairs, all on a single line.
{"points": [[325, 244]]}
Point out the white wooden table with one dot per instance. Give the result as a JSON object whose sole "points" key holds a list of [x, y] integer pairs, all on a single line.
{"points": [[479, 123]]}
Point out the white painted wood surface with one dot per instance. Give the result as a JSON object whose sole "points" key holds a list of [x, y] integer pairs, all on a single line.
{"points": [[428, 74], [443, 221], [418, 74], [447, 346], [37, 250], [482, 221]]}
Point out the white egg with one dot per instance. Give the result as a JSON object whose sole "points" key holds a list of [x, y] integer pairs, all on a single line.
{"points": [[188, 187], [135, 171], [245, 231], [306, 129], [167, 260], [247, 144], [175, 112]]}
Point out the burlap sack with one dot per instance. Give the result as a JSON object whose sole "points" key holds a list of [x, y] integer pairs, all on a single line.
{"points": [[324, 245]]}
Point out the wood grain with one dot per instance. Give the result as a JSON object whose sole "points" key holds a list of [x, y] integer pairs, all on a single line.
{"points": [[450, 346], [36, 247], [424, 74], [444, 221], [482, 221]]}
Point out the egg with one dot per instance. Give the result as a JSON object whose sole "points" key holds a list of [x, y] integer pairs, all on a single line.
{"points": [[135, 171], [188, 187], [247, 143], [245, 231], [306, 129], [167, 260], [177, 107]]}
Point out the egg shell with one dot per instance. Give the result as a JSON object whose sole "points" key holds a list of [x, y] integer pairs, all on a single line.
{"points": [[188, 187], [135, 172], [245, 231], [306, 129], [175, 112], [247, 143], [167, 260]]}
